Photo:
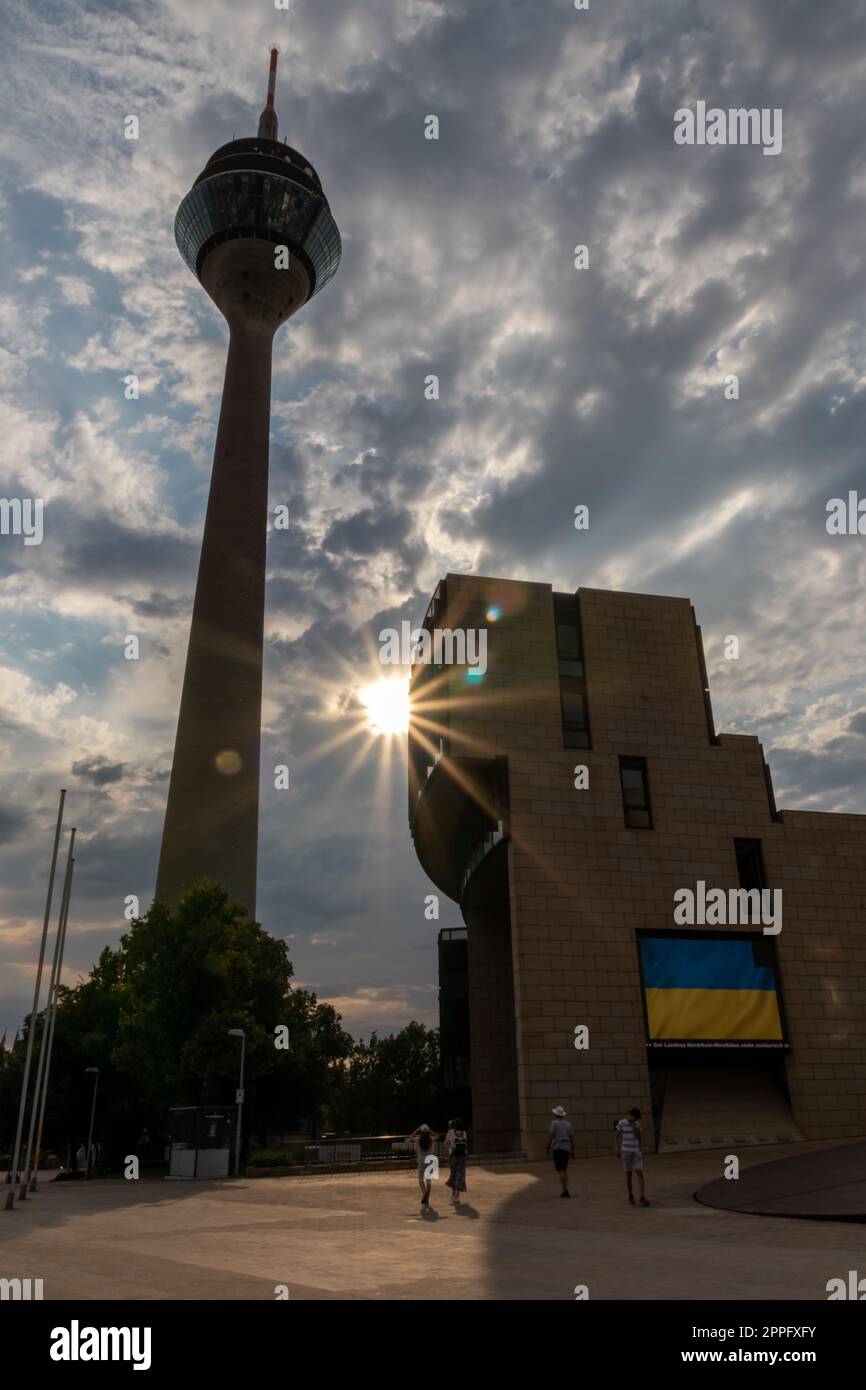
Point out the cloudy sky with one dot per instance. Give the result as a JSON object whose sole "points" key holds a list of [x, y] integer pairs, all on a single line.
{"points": [[603, 386]]}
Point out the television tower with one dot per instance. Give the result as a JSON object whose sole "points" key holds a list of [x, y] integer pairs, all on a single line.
{"points": [[257, 231]]}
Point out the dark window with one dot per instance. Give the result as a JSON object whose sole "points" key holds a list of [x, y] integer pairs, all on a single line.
{"points": [[568, 643], [771, 797], [575, 725], [705, 684], [635, 793], [764, 951], [572, 675], [573, 702], [750, 864], [429, 731]]}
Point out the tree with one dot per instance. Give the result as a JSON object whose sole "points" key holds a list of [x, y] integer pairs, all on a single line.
{"points": [[189, 975], [391, 1084], [154, 1016], [297, 1086]]}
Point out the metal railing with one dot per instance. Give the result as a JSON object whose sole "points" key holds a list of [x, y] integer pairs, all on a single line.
{"points": [[480, 848], [330, 1149]]}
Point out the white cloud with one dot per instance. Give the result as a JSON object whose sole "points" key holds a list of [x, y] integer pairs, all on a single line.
{"points": [[74, 289]]}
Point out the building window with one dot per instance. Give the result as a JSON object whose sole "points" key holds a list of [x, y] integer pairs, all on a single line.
{"points": [[429, 728], [635, 793], [572, 675], [771, 796], [462, 1072], [750, 864], [705, 684]]}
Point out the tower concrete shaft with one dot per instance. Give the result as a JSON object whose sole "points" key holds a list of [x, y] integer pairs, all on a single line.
{"points": [[257, 230], [211, 823]]}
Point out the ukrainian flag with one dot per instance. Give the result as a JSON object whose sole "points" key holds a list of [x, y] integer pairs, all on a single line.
{"points": [[708, 989]]}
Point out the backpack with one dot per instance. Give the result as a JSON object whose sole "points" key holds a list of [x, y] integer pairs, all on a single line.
{"points": [[424, 1141], [459, 1148]]}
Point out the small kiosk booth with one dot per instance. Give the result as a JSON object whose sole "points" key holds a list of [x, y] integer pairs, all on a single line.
{"points": [[201, 1140]]}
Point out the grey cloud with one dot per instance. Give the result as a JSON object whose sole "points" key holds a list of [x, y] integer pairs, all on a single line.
{"points": [[99, 771], [13, 822], [835, 778], [157, 605]]}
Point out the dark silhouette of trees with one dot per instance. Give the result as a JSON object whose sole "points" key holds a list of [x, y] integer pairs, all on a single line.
{"points": [[390, 1085], [154, 1014]]}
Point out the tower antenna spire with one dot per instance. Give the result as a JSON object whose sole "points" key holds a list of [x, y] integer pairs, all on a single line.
{"points": [[268, 118]]}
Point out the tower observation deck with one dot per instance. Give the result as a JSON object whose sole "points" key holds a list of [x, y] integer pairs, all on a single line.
{"points": [[257, 231], [265, 190]]}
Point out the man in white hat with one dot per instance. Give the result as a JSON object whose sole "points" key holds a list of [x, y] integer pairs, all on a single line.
{"points": [[561, 1140]]}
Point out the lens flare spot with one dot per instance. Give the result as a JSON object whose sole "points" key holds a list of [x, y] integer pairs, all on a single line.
{"points": [[228, 762]]}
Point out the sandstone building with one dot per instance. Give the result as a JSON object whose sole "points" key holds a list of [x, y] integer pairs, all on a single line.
{"points": [[721, 1034]]}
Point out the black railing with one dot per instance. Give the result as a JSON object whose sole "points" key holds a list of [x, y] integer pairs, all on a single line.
{"points": [[483, 824], [333, 1149]]}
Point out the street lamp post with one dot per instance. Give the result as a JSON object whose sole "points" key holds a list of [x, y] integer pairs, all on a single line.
{"points": [[92, 1115], [239, 1033]]}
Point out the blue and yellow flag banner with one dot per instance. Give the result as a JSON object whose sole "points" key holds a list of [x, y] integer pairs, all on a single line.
{"points": [[700, 988]]}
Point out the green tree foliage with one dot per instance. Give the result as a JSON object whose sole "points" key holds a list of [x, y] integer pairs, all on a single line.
{"points": [[85, 1032], [154, 1016], [188, 976], [300, 1080], [390, 1085]]}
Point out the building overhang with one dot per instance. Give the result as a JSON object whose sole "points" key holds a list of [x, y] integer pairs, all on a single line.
{"points": [[459, 817]]}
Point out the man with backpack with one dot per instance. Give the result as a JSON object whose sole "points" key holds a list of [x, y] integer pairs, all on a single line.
{"points": [[457, 1142], [428, 1163]]}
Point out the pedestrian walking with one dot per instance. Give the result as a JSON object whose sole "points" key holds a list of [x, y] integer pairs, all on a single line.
{"points": [[457, 1141], [627, 1142], [561, 1141], [423, 1138]]}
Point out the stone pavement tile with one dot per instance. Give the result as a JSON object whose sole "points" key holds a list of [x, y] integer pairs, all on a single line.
{"points": [[362, 1237]]}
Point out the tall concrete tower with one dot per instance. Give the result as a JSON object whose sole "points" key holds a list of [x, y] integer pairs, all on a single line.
{"points": [[256, 206]]}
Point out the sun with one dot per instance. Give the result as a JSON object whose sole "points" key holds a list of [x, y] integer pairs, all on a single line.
{"points": [[387, 705]]}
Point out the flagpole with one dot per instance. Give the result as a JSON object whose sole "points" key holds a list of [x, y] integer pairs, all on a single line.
{"points": [[16, 1153], [51, 1009]]}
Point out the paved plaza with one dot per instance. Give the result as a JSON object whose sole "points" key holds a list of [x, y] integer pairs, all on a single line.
{"points": [[361, 1236]]}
